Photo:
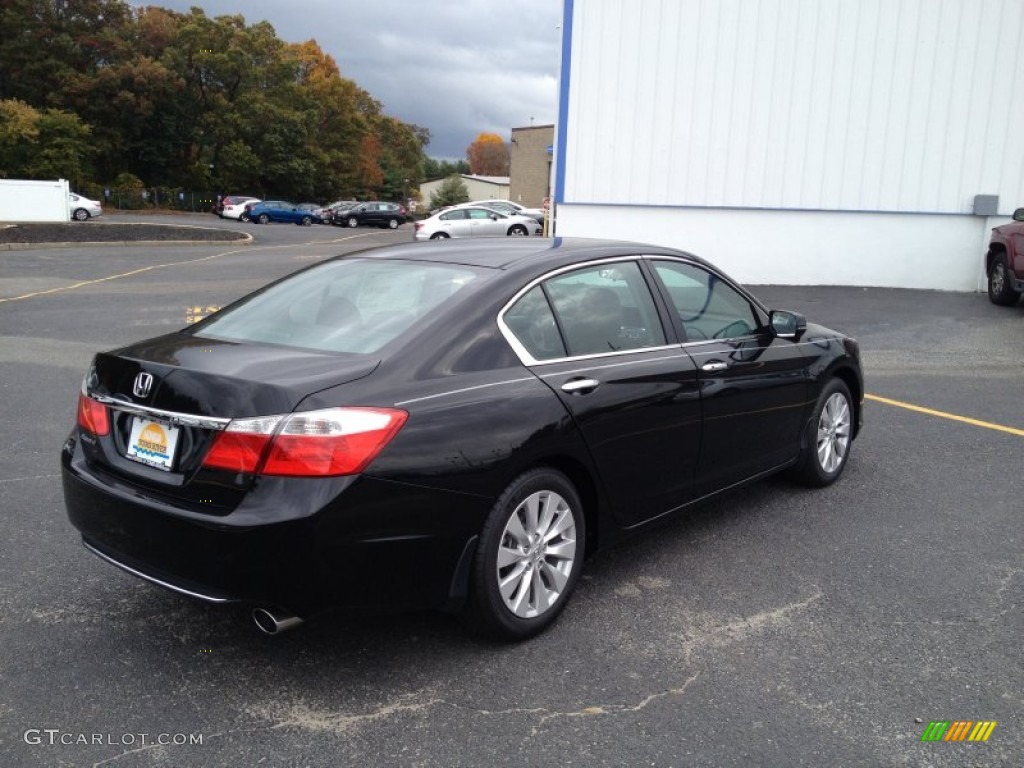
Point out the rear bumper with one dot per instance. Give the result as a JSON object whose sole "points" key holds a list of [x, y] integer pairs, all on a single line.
{"points": [[298, 544]]}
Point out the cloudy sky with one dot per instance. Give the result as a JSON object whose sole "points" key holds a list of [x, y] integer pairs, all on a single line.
{"points": [[457, 67]]}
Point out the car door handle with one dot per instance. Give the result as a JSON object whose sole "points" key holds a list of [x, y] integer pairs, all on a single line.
{"points": [[714, 365], [580, 386]]}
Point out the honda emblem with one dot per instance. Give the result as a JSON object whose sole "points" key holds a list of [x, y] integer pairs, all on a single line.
{"points": [[143, 383]]}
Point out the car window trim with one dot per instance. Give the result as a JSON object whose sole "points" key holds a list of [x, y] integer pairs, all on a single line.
{"points": [[529, 360]]}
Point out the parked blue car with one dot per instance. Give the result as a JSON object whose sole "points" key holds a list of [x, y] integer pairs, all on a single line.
{"points": [[279, 210]]}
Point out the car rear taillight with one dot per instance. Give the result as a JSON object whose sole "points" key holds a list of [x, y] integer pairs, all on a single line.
{"points": [[419, 225], [92, 416], [333, 441]]}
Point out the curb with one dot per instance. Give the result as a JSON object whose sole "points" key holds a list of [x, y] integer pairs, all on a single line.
{"points": [[247, 240]]}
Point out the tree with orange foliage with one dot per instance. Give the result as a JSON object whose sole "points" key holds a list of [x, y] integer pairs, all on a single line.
{"points": [[369, 176], [488, 156]]}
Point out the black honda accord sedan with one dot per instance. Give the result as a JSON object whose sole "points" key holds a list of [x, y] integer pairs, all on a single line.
{"points": [[447, 424]]}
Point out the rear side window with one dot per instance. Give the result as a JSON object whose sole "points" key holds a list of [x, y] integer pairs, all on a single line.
{"points": [[533, 323], [605, 308], [352, 305], [594, 310]]}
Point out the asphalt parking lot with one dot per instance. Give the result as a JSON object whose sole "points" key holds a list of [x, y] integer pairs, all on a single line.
{"points": [[777, 626]]}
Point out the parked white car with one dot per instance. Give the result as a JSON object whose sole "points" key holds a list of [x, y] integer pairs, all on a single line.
{"points": [[475, 221], [82, 208], [234, 206]]}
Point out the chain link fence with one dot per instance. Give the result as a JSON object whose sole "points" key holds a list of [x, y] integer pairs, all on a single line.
{"points": [[151, 198]]}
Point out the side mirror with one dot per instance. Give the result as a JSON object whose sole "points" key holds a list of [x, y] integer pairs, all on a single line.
{"points": [[785, 324], [1018, 215], [494, 217]]}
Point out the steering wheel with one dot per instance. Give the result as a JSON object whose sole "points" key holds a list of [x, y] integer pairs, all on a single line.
{"points": [[695, 334], [707, 300], [735, 328]]}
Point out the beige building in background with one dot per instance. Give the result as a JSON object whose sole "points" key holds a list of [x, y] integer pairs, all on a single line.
{"points": [[478, 187], [530, 155]]}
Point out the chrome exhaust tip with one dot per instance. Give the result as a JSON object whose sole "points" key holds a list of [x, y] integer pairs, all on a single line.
{"points": [[273, 622]]}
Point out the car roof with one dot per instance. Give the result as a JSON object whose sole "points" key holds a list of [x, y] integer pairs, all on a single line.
{"points": [[506, 253], [480, 204]]}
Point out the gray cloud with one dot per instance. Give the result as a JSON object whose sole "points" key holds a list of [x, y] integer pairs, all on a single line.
{"points": [[456, 67]]}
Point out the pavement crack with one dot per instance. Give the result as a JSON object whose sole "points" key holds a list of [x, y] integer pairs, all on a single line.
{"points": [[305, 717], [615, 709], [717, 635], [300, 715]]}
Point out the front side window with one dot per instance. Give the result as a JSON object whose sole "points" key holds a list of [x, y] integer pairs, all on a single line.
{"points": [[351, 305], [707, 306]]}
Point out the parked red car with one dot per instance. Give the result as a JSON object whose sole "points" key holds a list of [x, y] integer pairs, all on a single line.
{"points": [[1004, 262]]}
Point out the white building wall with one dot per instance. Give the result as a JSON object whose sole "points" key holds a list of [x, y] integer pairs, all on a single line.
{"points": [[891, 106], [895, 250], [868, 105], [22, 200]]}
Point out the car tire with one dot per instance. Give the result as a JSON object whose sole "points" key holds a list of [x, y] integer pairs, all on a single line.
{"points": [[263, 219], [243, 217], [439, 236], [80, 214], [1000, 284], [827, 437], [529, 557], [517, 230], [353, 222], [393, 224], [306, 221]]}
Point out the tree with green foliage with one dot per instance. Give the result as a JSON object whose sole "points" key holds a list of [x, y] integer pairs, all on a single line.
{"points": [[442, 169], [451, 192], [43, 143], [187, 100]]}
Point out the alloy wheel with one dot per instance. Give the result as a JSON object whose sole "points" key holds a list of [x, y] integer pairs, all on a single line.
{"points": [[537, 554], [833, 432]]}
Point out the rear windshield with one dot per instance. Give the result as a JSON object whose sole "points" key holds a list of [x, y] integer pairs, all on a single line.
{"points": [[351, 305]]}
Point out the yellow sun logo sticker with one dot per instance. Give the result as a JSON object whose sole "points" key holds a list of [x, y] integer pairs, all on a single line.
{"points": [[153, 441]]}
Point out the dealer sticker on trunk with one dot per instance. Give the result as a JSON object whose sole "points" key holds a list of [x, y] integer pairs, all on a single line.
{"points": [[153, 443]]}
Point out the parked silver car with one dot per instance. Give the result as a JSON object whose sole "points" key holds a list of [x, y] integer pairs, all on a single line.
{"points": [[475, 221], [507, 206], [83, 208]]}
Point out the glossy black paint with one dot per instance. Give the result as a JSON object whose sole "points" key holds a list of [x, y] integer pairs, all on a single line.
{"points": [[656, 435]]}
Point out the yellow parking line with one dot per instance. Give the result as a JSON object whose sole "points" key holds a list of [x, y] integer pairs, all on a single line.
{"points": [[945, 415], [83, 283], [249, 249]]}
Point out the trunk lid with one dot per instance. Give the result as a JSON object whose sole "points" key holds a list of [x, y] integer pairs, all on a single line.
{"points": [[189, 386]]}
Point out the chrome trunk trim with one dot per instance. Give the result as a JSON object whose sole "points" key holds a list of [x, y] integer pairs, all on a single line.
{"points": [[171, 417]]}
